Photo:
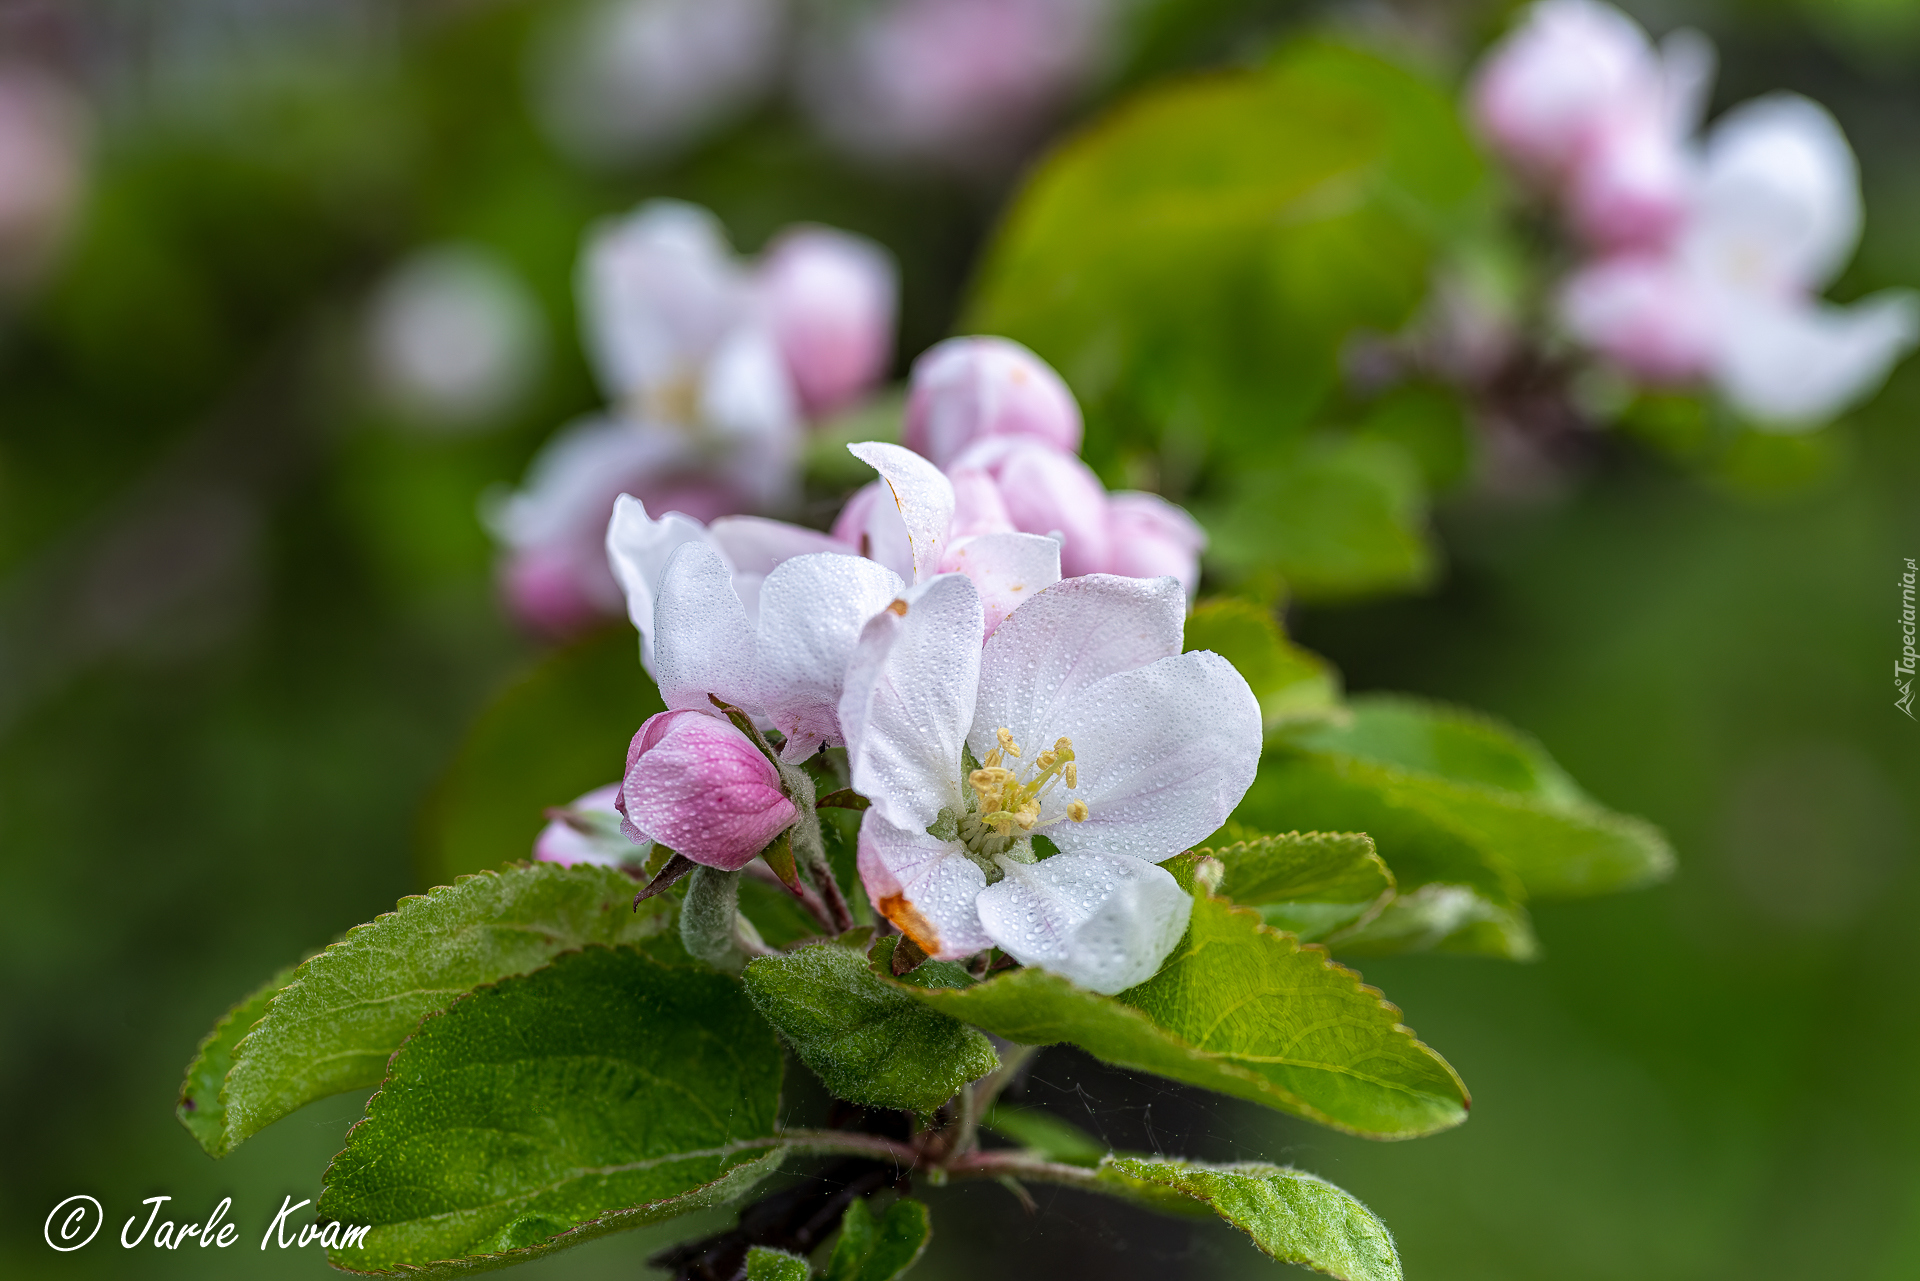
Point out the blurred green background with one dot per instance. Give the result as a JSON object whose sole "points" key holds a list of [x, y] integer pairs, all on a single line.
{"points": [[247, 619]]}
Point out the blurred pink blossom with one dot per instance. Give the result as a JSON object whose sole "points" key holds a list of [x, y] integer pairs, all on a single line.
{"points": [[588, 831], [966, 389], [830, 298], [700, 787], [42, 167]]}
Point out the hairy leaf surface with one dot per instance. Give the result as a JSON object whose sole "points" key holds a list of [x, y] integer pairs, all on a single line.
{"points": [[776, 1265], [333, 1026], [1293, 1216], [879, 1251], [1311, 884], [862, 1035], [604, 1091]]}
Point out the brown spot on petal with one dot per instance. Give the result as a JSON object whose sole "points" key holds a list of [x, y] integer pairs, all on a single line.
{"points": [[904, 914], [898, 607]]}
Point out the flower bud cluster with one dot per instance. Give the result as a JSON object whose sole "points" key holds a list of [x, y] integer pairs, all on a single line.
{"points": [[1703, 256]]}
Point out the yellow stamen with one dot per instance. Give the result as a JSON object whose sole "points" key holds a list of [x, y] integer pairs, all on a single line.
{"points": [[1077, 811], [1073, 776], [1047, 760], [1007, 744]]}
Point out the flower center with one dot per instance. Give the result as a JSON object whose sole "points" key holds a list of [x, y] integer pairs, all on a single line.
{"points": [[1003, 808]]}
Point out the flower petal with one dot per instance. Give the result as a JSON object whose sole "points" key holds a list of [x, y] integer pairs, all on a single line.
{"points": [[754, 545], [909, 699], [702, 643], [923, 494], [924, 885], [658, 289], [811, 611], [638, 548], [1075, 633], [1104, 921], [1794, 365], [1164, 753], [1779, 193], [1009, 570], [700, 787], [593, 836]]}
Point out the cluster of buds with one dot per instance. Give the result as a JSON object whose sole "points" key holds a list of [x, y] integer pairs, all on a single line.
{"points": [[1703, 257]]}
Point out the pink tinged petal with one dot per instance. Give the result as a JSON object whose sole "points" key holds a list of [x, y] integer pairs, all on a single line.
{"points": [[967, 389], [1152, 538], [1164, 752], [658, 290], [923, 496], [1646, 314], [909, 699], [1008, 569], [1780, 195], [564, 843], [698, 786], [924, 885], [1048, 491], [870, 523], [1104, 921], [546, 591], [812, 610], [1635, 186], [1561, 74], [702, 643], [830, 299], [1050, 652], [638, 548], [977, 505], [1793, 365]]}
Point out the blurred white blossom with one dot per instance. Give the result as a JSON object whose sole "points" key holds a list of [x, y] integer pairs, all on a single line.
{"points": [[455, 337], [622, 80]]}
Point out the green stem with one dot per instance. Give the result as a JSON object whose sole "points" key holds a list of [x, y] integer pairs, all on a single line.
{"points": [[711, 927], [809, 848]]}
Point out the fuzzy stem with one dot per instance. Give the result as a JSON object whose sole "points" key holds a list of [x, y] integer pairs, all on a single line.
{"points": [[809, 849], [711, 927]]}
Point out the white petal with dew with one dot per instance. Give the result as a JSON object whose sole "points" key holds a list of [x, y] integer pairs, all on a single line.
{"points": [[923, 494], [1008, 569], [1104, 921], [812, 609], [924, 885], [702, 643], [638, 548]]}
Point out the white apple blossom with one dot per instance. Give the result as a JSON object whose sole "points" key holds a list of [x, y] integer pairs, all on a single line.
{"points": [[1080, 720]]}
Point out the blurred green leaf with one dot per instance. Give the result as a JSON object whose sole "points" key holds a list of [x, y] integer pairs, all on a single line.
{"points": [[863, 1036], [1336, 516], [1194, 262], [776, 1265], [603, 1092], [1244, 1010], [869, 1251], [1293, 1216], [558, 731], [1310, 884], [1430, 425], [1472, 817], [1046, 1134], [346, 1010], [1291, 683]]}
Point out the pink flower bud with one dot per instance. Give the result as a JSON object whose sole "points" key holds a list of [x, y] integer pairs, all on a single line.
{"points": [[1151, 537], [1048, 491], [968, 389], [1633, 187], [1645, 314], [700, 787], [830, 298], [1544, 89]]}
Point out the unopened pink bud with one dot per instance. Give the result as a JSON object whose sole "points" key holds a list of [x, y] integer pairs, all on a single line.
{"points": [[1151, 537], [830, 297], [969, 389], [1048, 491], [698, 786], [1544, 89]]}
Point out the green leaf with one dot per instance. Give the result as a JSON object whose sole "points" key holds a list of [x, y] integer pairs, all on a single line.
{"points": [[1046, 1134], [1457, 801], [1292, 684], [776, 1265], [200, 1108], [603, 1092], [862, 1035], [333, 1027], [1313, 884], [1245, 1010], [869, 1251], [558, 731], [1293, 1216], [1340, 516]]}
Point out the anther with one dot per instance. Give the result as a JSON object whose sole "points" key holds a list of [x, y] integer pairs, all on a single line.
{"points": [[1007, 744], [1077, 811], [1073, 776], [1047, 760]]}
